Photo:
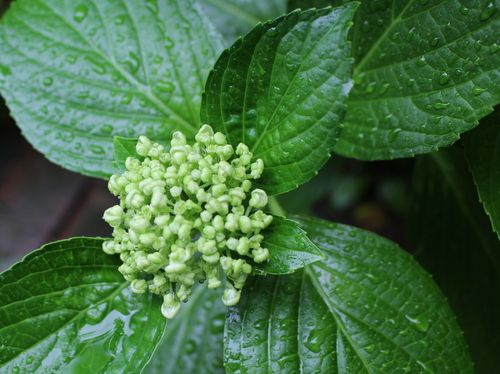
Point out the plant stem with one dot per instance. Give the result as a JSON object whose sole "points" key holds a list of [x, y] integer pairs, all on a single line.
{"points": [[276, 208]]}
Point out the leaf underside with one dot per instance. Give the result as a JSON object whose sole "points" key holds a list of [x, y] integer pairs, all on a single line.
{"points": [[76, 74], [454, 241], [281, 91], [482, 148], [367, 308], [66, 308]]}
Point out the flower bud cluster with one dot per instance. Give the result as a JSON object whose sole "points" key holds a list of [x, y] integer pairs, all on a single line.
{"points": [[188, 214]]}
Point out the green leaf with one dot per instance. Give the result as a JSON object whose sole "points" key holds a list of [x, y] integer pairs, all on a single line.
{"points": [[123, 148], [66, 308], [425, 72], [192, 342], [281, 91], [234, 18], [76, 74], [289, 247], [454, 241], [368, 308], [482, 147]]}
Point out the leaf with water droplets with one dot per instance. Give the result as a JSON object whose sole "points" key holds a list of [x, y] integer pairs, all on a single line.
{"points": [[234, 18], [422, 62], [367, 308], [67, 68], [289, 247], [455, 242], [192, 342], [281, 91], [66, 308], [482, 148]]}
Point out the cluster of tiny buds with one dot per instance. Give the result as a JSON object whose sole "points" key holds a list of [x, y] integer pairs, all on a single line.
{"points": [[188, 214]]}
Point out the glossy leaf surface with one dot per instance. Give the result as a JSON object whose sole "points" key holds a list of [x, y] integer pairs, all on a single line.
{"points": [[289, 248], [234, 18], [367, 308], [66, 308], [75, 74], [425, 72], [454, 241], [482, 148], [281, 91], [192, 342]]}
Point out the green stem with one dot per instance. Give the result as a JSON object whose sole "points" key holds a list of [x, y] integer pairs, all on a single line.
{"points": [[276, 208]]}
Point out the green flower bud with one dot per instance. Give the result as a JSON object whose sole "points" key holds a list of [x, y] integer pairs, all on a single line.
{"points": [[139, 286], [114, 216], [259, 199], [170, 306], [183, 212]]}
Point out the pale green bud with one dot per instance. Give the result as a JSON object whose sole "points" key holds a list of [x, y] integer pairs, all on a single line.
{"points": [[256, 169], [114, 215], [205, 135], [245, 224], [260, 255], [170, 306], [143, 146], [259, 199], [220, 138], [243, 246], [176, 191], [139, 286], [231, 296], [178, 138], [109, 247]]}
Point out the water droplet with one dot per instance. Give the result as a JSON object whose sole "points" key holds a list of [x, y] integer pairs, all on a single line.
{"points": [[370, 87], [133, 62], [420, 322], [48, 81], [434, 41], [478, 91], [153, 5], [169, 43], [315, 340], [464, 10], [440, 105], [165, 86], [80, 13], [421, 61], [119, 20], [107, 129], [488, 11], [190, 346], [444, 78], [97, 149]]}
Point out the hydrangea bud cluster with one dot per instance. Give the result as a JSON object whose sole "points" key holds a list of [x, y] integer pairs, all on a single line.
{"points": [[188, 214]]}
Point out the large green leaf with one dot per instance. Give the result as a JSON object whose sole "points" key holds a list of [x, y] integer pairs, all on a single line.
{"points": [[289, 248], [482, 148], [234, 18], [368, 308], [66, 308], [75, 74], [281, 91], [192, 342], [425, 72], [454, 241]]}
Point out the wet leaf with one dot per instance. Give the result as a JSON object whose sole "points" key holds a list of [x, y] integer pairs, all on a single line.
{"points": [[289, 247], [192, 342], [281, 91], [367, 308], [76, 74], [66, 308]]}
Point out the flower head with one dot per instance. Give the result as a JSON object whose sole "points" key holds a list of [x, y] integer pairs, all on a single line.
{"points": [[188, 214]]}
